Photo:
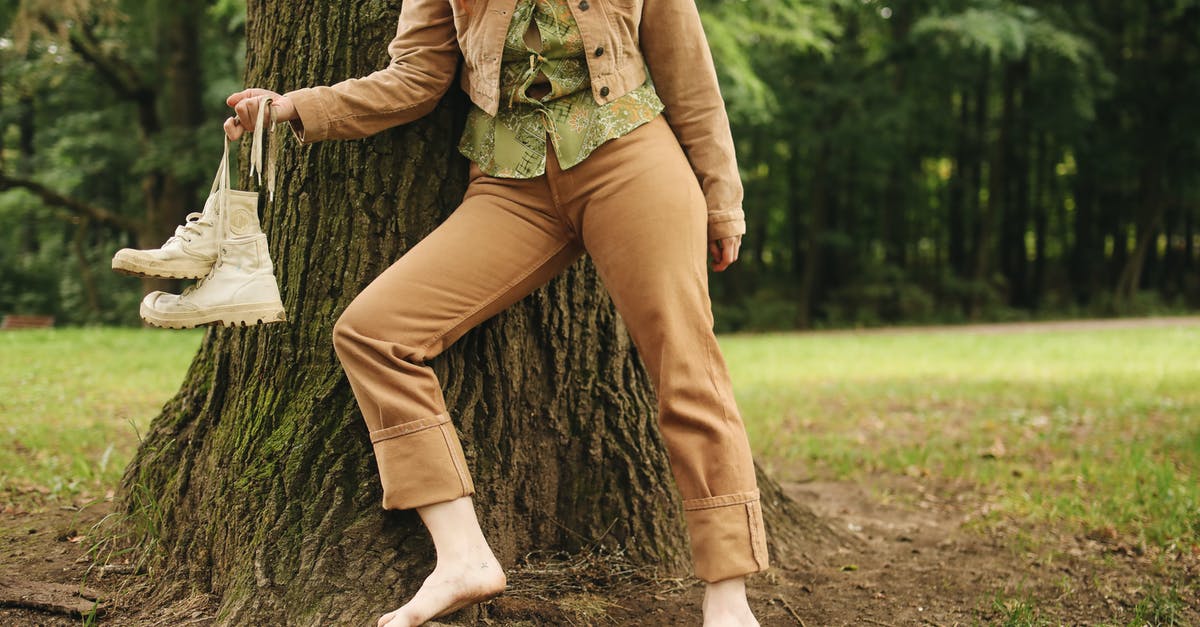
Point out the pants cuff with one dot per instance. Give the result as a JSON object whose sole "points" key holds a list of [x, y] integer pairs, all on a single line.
{"points": [[727, 535], [421, 462]]}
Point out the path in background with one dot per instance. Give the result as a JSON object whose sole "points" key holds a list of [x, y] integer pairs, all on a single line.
{"points": [[1020, 327]]}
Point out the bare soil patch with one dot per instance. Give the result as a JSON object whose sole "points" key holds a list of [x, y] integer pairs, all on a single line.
{"points": [[918, 561], [922, 563], [44, 566]]}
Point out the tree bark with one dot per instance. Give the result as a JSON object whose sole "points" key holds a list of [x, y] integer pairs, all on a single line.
{"points": [[258, 478]]}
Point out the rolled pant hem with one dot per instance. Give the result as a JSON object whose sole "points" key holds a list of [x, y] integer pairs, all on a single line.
{"points": [[723, 500], [421, 462], [728, 538]]}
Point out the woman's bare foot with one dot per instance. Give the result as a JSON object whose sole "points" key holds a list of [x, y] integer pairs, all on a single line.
{"points": [[467, 571], [725, 604], [449, 588]]}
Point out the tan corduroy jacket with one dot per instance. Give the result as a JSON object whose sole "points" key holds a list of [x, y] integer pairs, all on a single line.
{"points": [[624, 37]]}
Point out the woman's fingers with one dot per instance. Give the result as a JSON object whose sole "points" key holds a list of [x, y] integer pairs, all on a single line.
{"points": [[724, 251], [245, 105], [731, 245], [235, 98], [233, 129], [246, 109]]}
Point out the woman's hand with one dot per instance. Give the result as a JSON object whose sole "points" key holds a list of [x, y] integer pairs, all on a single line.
{"points": [[724, 251], [245, 106]]}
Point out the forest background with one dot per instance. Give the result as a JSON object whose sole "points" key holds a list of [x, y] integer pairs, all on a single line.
{"points": [[908, 161]]}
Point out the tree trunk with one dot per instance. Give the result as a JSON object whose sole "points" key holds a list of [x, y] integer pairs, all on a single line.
{"points": [[168, 197], [26, 147], [981, 237], [1189, 241], [956, 205], [258, 479], [1015, 214], [1132, 263], [1043, 168], [814, 247]]}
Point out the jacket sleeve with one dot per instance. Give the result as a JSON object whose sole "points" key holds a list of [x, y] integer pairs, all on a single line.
{"points": [[681, 66], [424, 56]]}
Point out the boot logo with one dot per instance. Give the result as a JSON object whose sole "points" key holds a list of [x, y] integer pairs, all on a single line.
{"points": [[239, 222]]}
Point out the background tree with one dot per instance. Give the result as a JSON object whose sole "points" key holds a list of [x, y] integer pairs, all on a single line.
{"points": [[257, 482], [918, 161], [112, 100]]}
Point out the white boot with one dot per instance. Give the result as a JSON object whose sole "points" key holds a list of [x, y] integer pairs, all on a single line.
{"points": [[239, 290], [192, 250]]}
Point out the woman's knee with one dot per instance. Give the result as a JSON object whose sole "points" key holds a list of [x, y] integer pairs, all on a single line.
{"points": [[363, 327], [348, 328]]}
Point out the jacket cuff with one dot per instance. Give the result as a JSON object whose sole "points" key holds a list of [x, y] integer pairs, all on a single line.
{"points": [[727, 223], [313, 125]]}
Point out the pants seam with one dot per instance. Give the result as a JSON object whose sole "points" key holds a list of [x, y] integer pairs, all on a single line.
{"points": [[454, 459], [757, 542], [494, 297], [709, 341]]}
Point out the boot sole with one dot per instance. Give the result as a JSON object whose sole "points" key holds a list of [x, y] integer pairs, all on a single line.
{"points": [[135, 267], [227, 316]]}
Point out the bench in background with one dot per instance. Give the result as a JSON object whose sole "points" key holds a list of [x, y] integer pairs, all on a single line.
{"points": [[26, 322]]}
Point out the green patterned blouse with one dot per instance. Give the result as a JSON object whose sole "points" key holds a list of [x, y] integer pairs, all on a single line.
{"points": [[513, 143]]}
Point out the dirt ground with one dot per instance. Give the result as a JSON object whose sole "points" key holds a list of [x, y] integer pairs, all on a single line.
{"points": [[917, 562]]}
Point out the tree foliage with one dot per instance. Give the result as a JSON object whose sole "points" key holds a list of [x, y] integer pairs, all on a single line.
{"points": [[928, 160]]}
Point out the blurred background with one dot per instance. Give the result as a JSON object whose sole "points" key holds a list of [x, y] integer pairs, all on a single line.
{"points": [[905, 162]]}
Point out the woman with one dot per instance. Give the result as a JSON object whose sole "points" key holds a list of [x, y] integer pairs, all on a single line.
{"points": [[597, 126]]}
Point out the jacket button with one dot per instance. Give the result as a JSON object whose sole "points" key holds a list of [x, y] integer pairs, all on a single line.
{"points": [[583, 5], [604, 92], [600, 51]]}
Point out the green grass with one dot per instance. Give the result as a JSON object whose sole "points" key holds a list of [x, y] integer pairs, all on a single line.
{"points": [[73, 402], [1161, 607], [1097, 429], [1017, 612]]}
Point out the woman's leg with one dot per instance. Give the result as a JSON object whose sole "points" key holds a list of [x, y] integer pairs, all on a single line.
{"points": [[488, 254], [643, 220]]}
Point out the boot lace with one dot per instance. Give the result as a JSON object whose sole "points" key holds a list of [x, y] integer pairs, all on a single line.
{"points": [[200, 282], [195, 223]]}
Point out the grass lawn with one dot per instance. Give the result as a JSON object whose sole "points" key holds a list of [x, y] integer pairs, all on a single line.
{"points": [[73, 402], [1097, 430]]}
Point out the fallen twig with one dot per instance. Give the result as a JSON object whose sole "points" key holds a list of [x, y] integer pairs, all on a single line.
{"points": [[786, 606]]}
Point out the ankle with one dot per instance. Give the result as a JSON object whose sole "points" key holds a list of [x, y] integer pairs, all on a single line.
{"points": [[727, 596], [467, 552], [726, 588]]}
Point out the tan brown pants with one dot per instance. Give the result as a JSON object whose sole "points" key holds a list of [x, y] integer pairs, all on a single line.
{"points": [[635, 206]]}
